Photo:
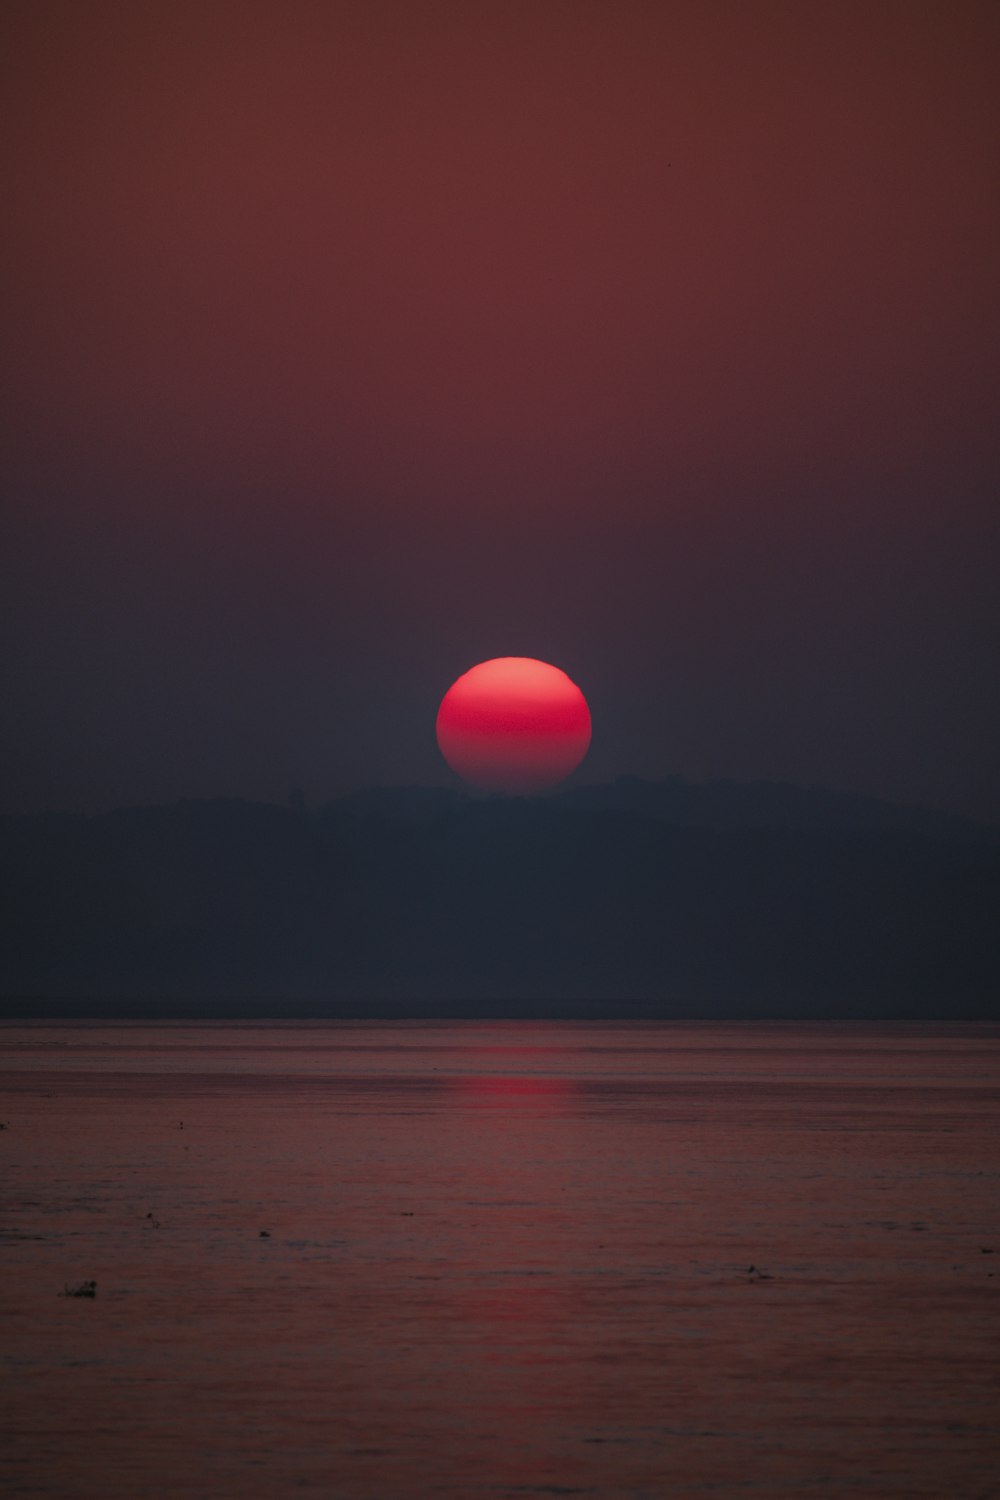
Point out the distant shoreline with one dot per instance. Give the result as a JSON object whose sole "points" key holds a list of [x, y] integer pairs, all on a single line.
{"points": [[17, 1012]]}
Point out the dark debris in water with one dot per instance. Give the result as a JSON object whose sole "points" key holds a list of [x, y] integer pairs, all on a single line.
{"points": [[82, 1289]]}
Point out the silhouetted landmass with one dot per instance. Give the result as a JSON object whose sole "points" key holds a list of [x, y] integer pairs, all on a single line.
{"points": [[723, 900], [767, 804]]}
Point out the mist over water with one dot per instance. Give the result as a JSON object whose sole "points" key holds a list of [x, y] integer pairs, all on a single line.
{"points": [[500, 1260]]}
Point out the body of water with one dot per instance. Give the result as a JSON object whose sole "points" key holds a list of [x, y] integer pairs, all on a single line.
{"points": [[499, 1260]]}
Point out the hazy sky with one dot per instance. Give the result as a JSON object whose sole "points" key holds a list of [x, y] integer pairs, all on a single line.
{"points": [[349, 344]]}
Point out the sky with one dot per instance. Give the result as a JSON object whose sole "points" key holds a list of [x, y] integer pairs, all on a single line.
{"points": [[351, 344]]}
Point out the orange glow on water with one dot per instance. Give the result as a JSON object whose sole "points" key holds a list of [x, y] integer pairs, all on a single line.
{"points": [[493, 1091], [514, 725]]}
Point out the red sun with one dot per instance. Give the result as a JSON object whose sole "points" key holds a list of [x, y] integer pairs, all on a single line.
{"points": [[513, 725]]}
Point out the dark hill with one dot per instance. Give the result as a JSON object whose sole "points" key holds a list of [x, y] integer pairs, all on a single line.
{"points": [[640, 898], [768, 804]]}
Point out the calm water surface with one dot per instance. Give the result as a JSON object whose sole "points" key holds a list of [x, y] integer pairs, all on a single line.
{"points": [[502, 1261]]}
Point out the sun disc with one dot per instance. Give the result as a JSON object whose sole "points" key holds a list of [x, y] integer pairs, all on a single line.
{"points": [[514, 724]]}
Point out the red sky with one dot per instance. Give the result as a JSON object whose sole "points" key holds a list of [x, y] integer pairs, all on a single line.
{"points": [[351, 344]]}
